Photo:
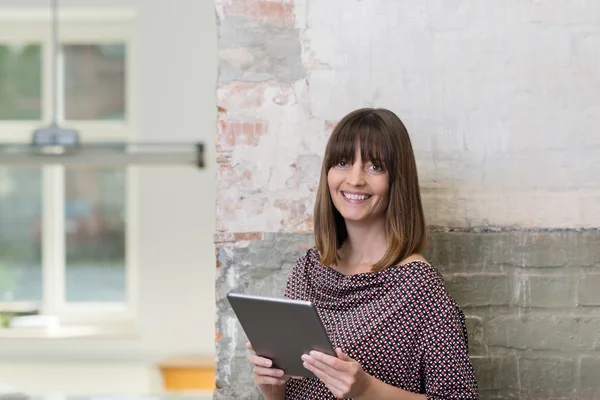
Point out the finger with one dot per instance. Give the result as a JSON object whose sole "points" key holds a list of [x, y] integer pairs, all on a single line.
{"points": [[269, 380], [259, 361], [330, 381], [249, 346], [322, 366], [342, 356], [268, 372], [331, 361]]}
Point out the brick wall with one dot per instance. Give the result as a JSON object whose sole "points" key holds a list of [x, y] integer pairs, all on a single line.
{"points": [[531, 306], [531, 301], [501, 101]]}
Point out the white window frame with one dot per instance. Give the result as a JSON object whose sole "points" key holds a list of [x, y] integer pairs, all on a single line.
{"points": [[77, 26]]}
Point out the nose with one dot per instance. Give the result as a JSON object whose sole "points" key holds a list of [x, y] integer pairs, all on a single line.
{"points": [[355, 176]]}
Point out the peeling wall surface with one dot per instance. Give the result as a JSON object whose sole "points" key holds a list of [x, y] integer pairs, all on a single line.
{"points": [[501, 100]]}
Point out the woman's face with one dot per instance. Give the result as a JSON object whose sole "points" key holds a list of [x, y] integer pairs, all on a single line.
{"points": [[360, 191]]}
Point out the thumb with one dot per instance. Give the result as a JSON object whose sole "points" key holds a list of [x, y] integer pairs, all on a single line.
{"points": [[341, 355]]}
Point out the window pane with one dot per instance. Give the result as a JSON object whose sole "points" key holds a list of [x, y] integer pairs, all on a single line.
{"points": [[95, 235], [20, 82], [94, 82], [20, 228]]}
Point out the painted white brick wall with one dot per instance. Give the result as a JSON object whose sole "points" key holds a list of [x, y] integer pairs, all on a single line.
{"points": [[501, 98]]}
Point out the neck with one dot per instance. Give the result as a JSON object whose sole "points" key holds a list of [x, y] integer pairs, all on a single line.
{"points": [[366, 244]]}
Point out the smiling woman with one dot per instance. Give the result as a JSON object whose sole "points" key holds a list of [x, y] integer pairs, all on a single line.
{"points": [[370, 153], [359, 189], [397, 332]]}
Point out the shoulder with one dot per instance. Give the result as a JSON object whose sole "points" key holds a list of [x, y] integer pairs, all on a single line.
{"points": [[310, 259], [432, 302], [300, 276], [422, 275], [427, 285], [306, 264]]}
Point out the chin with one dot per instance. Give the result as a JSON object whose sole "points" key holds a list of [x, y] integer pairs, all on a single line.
{"points": [[354, 217], [362, 217]]}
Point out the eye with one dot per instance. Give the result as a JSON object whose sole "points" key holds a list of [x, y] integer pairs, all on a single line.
{"points": [[376, 167], [342, 163]]}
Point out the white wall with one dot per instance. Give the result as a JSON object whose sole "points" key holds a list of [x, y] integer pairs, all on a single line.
{"points": [[175, 81], [500, 99]]}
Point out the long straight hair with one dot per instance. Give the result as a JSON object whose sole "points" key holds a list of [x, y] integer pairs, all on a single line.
{"points": [[382, 138]]}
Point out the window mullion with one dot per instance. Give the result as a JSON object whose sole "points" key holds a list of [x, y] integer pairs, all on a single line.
{"points": [[53, 196], [47, 81], [53, 239], [54, 202], [131, 250]]}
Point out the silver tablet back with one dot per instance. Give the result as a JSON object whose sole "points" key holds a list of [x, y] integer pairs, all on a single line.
{"points": [[281, 329]]}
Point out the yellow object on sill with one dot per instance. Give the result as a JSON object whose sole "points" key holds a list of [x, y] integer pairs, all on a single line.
{"points": [[188, 372]]}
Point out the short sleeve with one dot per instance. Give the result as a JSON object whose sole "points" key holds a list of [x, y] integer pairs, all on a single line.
{"points": [[447, 371], [295, 287]]}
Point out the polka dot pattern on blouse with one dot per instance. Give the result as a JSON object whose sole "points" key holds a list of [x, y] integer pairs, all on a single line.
{"points": [[400, 324]]}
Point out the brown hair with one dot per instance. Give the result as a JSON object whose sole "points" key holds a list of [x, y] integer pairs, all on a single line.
{"points": [[382, 138]]}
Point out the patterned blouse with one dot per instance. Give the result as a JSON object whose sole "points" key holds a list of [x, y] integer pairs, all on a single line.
{"points": [[400, 324]]}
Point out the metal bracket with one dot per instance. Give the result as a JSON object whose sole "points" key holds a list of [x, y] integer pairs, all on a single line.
{"points": [[102, 154]]}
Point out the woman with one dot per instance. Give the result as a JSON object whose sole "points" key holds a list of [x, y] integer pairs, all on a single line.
{"points": [[397, 332]]}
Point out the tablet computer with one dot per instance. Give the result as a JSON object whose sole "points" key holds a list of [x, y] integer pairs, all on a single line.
{"points": [[281, 330]]}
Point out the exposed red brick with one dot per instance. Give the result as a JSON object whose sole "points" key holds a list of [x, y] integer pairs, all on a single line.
{"points": [[259, 128], [229, 237], [253, 132], [247, 134], [225, 136], [237, 133], [248, 236], [218, 263], [260, 10], [236, 128], [296, 216]]}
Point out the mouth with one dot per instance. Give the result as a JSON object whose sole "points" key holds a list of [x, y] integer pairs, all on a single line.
{"points": [[356, 196]]}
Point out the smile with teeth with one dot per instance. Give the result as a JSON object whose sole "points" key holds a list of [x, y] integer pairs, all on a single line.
{"points": [[353, 196]]}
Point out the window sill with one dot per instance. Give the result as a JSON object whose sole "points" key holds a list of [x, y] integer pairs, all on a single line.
{"points": [[70, 332]]}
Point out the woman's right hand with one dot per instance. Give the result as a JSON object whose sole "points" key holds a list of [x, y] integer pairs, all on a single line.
{"points": [[270, 381]]}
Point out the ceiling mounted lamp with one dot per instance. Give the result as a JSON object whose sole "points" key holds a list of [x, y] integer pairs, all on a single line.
{"points": [[55, 144]]}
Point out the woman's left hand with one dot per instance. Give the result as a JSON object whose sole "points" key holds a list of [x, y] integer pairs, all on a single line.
{"points": [[342, 375]]}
